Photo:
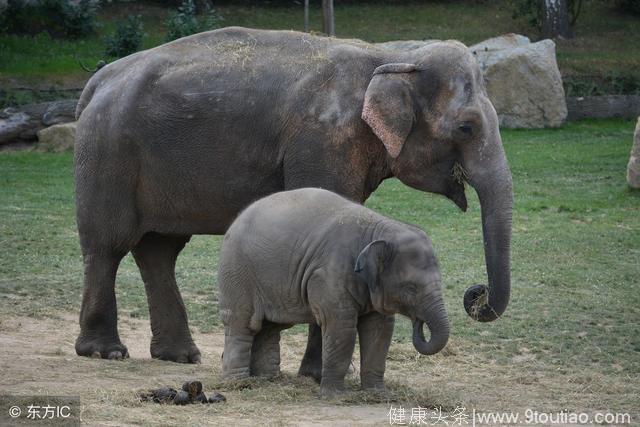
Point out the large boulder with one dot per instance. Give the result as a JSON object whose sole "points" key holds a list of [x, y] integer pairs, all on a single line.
{"points": [[404, 44], [59, 137], [523, 81], [633, 168]]}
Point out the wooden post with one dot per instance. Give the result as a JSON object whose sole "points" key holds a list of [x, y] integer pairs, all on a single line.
{"points": [[306, 16], [328, 22]]}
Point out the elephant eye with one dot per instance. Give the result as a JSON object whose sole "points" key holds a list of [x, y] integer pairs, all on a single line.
{"points": [[466, 128], [410, 288]]}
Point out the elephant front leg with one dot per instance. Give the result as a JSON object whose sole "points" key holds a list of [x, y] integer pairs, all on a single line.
{"points": [[156, 257], [236, 358], [338, 342], [374, 331]]}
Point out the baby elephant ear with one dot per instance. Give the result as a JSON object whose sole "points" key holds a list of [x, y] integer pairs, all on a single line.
{"points": [[388, 108], [371, 262]]}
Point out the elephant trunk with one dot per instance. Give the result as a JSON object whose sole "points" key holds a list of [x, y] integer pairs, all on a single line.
{"points": [[494, 188], [438, 323]]}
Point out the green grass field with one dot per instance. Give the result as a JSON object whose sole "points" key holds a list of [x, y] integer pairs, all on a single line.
{"points": [[576, 248], [605, 51]]}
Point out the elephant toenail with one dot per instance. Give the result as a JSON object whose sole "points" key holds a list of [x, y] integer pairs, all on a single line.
{"points": [[115, 355]]}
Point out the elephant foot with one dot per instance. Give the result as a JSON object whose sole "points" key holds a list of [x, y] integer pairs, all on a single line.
{"points": [[102, 348], [372, 381], [187, 353], [331, 392], [265, 370], [235, 373], [311, 370], [374, 387]]}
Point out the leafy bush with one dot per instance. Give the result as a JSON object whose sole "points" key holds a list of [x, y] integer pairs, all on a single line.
{"points": [[611, 84], [59, 18], [127, 38], [185, 22]]}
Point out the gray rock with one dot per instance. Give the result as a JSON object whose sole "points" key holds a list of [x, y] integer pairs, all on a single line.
{"points": [[633, 168], [60, 112], [60, 137], [523, 81], [404, 44], [507, 41]]}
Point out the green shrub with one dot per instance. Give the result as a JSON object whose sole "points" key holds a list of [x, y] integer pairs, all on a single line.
{"points": [[127, 38], [185, 22], [59, 18], [611, 84]]}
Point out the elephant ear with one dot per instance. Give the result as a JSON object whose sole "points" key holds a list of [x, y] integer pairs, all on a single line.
{"points": [[388, 108], [371, 261]]}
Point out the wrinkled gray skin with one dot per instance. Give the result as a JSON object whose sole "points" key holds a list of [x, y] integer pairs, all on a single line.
{"points": [[176, 140], [311, 256]]}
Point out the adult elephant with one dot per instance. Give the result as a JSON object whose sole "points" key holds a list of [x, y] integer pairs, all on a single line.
{"points": [[176, 140]]}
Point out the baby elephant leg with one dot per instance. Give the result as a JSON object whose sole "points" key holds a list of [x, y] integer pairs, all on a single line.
{"points": [[265, 353], [236, 359], [338, 342], [375, 331]]}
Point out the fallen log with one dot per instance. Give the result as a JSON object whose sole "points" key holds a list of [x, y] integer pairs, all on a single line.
{"points": [[19, 124]]}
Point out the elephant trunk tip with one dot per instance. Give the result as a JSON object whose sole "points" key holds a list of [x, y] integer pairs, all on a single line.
{"points": [[439, 338], [479, 306]]}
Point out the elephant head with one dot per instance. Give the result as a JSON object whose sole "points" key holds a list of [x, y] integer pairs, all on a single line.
{"points": [[402, 276], [440, 130]]}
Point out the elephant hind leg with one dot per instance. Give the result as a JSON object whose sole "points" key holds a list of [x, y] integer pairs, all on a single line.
{"points": [[311, 365], [265, 352], [156, 255], [99, 314]]}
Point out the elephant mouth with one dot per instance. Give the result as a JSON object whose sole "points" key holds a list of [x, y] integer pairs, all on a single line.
{"points": [[458, 197], [456, 190]]}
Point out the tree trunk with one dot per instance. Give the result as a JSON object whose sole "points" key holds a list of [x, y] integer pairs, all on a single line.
{"points": [[306, 16], [328, 22], [555, 19]]}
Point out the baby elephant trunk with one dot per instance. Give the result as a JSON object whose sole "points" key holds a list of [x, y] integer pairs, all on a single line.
{"points": [[437, 321]]}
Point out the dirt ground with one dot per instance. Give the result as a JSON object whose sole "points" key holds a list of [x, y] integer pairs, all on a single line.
{"points": [[38, 358]]}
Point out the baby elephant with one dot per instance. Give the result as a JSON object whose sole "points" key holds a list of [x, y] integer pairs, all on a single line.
{"points": [[311, 256]]}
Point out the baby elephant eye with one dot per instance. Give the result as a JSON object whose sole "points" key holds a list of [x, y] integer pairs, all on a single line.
{"points": [[466, 128], [410, 288]]}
